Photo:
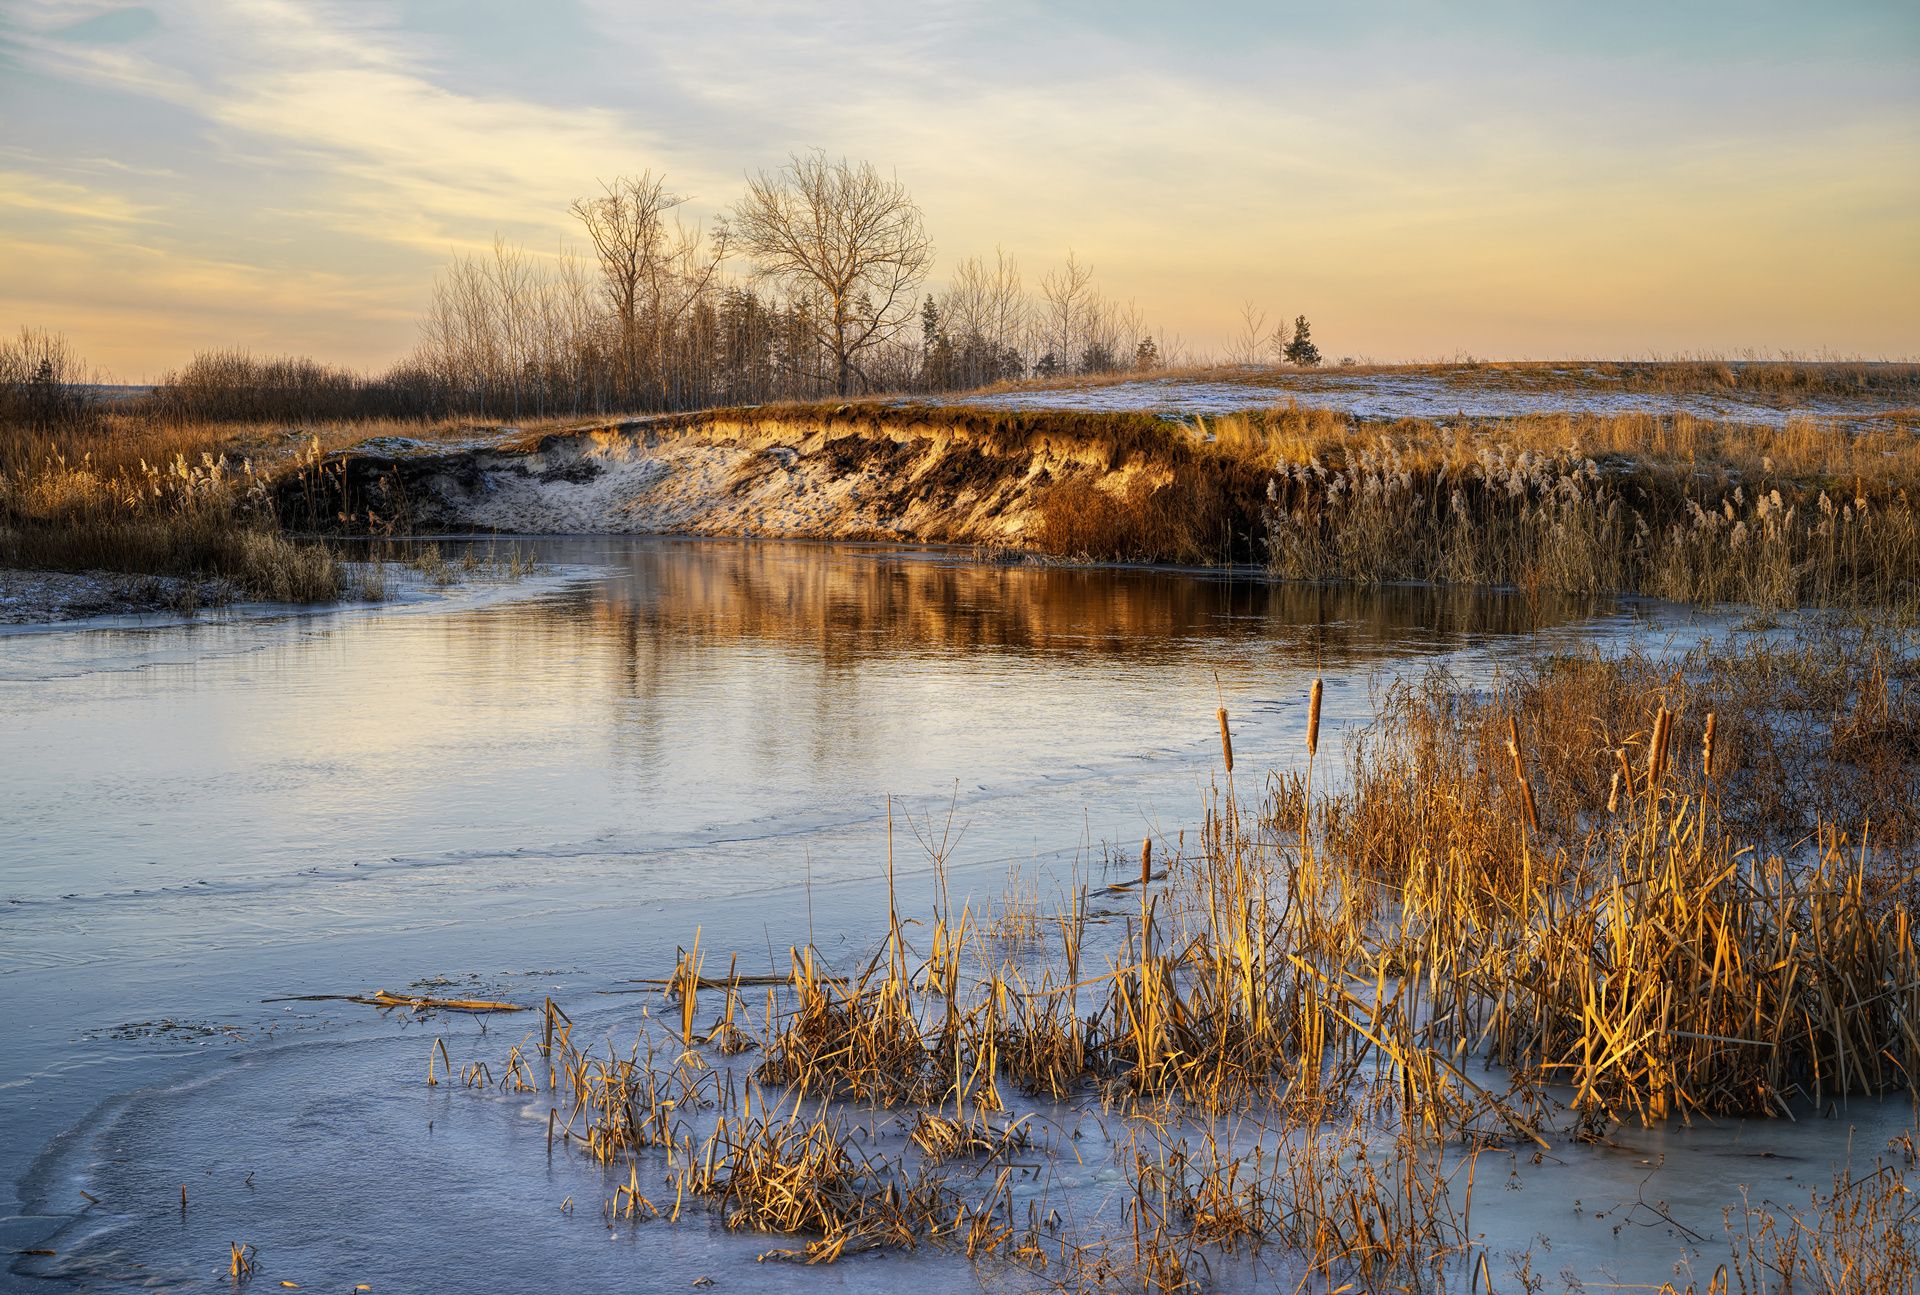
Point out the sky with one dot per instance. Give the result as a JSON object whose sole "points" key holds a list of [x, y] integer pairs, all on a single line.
{"points": [[1423, 180]]}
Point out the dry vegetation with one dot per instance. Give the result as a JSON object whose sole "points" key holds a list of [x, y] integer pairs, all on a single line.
{"points": [[1780, 381], [1588, 877], [145, 494], [208, 517], [1812, 513], [1815, 512]]}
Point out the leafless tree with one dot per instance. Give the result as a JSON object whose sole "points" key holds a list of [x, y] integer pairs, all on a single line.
{"points": [[1253, 342], [844, 235], [627, 225], [1069, 299], [653, 271]]}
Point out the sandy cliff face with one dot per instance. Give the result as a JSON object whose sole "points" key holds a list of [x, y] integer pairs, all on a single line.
{"points": [[901, 474]]}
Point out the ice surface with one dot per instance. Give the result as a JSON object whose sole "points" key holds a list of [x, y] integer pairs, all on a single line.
{"points": [[545, 791]]}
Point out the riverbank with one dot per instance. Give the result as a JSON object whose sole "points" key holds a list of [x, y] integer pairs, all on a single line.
{"points": [[1804, 513], [1776, 486]]}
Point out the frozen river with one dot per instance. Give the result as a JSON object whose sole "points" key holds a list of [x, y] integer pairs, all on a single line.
{"points": [[544, 791]]}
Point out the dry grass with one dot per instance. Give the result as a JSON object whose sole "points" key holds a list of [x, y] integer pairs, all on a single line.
{"points": [[1662, 507], [1780, 380], [1284, 1017], [1860, 1235], [209, 518], [149, 496], [1809, 513]]}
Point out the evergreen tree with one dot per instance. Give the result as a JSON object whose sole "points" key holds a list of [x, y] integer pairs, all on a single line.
{"points": [[1301, 350], [1146, 355]]}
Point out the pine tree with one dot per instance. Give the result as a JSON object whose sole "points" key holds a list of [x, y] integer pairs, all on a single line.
{"points": [[1301, 350], [1146, 355]]}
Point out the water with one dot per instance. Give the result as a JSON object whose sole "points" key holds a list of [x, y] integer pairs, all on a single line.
{"points": [[545, 790]]}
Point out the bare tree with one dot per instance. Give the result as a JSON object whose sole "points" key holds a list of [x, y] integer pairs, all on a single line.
{"points": [[1070, 301], [628, 227], [846, 236], [1254, 343], [985, 310]]}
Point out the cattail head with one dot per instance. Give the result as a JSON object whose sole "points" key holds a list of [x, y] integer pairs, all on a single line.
{"points": [[1706, 749], [1657, 746], [1613, 793], [1226, 739], [1513, 749], [1146, 860], [1313, 721]]}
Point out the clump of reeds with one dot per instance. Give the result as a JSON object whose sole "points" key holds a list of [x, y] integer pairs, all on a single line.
{"points": [[859, 1037], [1577, 910], [209, 518], [788, 1172], [1558, 520], [1627, 943]]}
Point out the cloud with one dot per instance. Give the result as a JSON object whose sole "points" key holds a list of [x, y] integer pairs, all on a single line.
{"points": [[1421, 185], [39, 192]]}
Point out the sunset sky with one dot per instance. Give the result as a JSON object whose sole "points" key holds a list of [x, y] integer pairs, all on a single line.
{"points": [[1526, 179]]}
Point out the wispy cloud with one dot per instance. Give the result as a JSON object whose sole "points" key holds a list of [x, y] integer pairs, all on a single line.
{"points": [[1497, 181]]}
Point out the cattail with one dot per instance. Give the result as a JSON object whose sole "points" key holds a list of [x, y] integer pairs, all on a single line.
{"points": [[1226, 739], [1526, 798], [1313, 722], [1146, 861], [1613, 793], [1657, 747], [1513, 749], [1625, 773], [1706, 749]]}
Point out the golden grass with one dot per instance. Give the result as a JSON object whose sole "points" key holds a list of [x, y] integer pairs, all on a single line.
{"points": [[1285, 1020], [210, 518], [142, 495]]}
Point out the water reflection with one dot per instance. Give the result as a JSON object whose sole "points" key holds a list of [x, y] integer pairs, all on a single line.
{"points": [[857, 605]]}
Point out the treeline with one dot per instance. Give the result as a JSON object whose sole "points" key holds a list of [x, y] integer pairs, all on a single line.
{"points": [[812, 283], [658, 319]]}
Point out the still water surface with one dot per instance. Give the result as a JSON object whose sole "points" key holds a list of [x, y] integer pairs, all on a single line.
{"points": [[545, 790]]}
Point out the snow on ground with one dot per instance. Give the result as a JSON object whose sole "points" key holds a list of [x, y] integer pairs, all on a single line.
{"points": [[37, 597], [1405, 395]]}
